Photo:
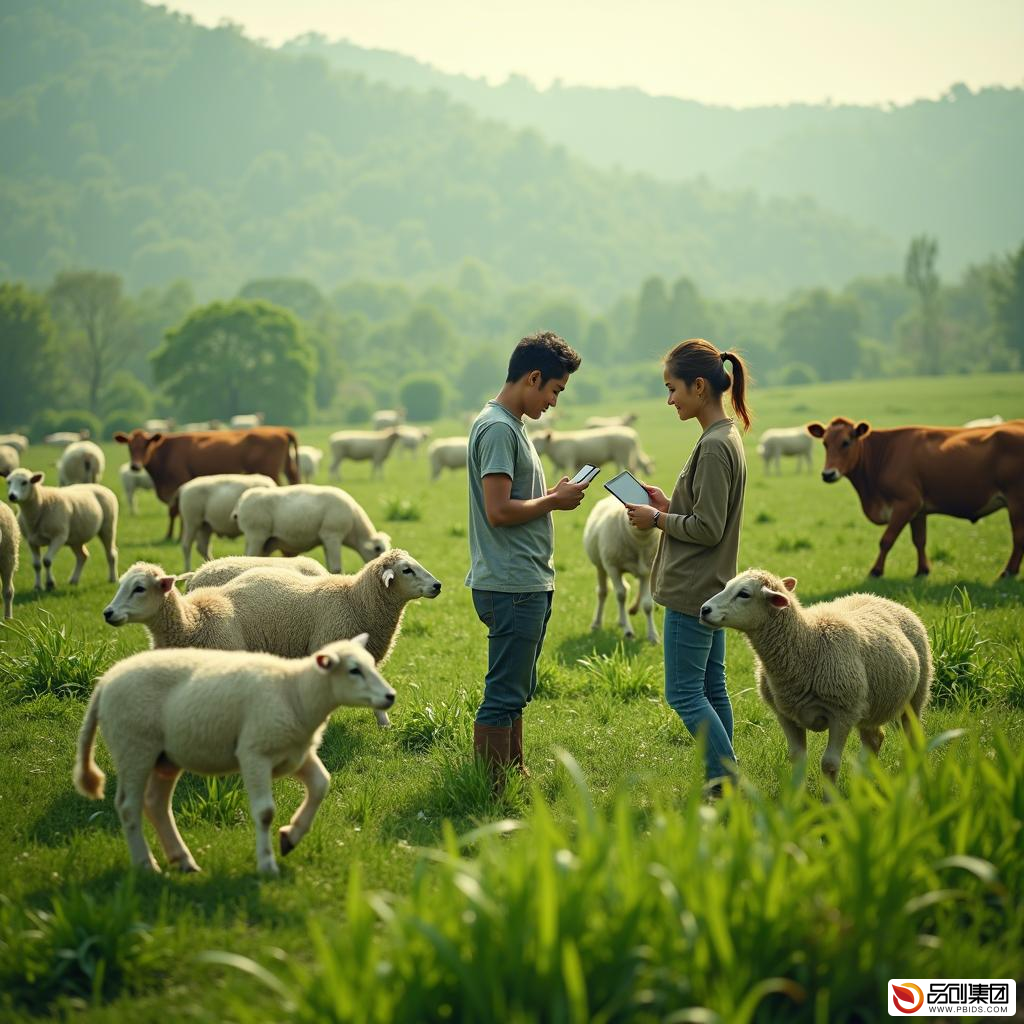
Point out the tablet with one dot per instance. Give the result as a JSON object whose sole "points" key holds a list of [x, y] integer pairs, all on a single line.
{"points": [[627, 488], [585, 475]]}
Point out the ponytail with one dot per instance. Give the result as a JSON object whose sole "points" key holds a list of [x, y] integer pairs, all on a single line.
{"points": [[699, 358]]}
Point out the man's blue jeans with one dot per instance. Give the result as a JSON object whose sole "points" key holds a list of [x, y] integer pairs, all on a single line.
{"points": [[516, 624], [695, 687]]}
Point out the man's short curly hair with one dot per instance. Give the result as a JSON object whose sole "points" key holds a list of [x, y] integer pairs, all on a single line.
{"points": [[544, 351]]}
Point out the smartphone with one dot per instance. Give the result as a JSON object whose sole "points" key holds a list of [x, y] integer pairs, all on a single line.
{"points": [[628, 489], [586, 474]]}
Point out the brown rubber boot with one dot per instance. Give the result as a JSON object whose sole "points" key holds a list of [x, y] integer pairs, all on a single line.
{"points": [[491, 745], [515, 748]]}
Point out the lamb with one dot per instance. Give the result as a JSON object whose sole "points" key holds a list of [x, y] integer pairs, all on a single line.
{"points": [[10, 537], [57, 516], [279, 611], [297, 518], [775, 443], [133, 480], [81, 463], [216, 713], [570, 449], [310, 458], [616, 547], [16, 441], [10, 460], [360, 446], [626, 420], [206, 505], [447, 453], [219, 571], [859, 660]]}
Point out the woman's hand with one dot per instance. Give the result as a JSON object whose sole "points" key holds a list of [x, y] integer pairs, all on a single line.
{"points": [[658, 497], [641, 516]]}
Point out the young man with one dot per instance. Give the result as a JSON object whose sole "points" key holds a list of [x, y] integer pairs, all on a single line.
{"points": [[511, 540]]}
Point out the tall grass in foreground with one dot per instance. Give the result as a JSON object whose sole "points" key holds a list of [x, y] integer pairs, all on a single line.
{"points": [[777, 908]]}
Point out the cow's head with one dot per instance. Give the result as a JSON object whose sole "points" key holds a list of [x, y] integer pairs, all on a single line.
{"points": [[139, 445], [841, 439]]}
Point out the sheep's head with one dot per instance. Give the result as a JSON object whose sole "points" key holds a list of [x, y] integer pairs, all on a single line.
{"points": [[403, 576], [374, 546], [749, 600], [141, 592], [21, 483], [352, 674]]}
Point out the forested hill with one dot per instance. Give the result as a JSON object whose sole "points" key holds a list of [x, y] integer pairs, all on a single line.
{"points": [[136, 141], [950, 167]]}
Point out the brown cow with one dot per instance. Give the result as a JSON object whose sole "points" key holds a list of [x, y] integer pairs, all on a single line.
{"points": [[905, 474], [173, 459]]}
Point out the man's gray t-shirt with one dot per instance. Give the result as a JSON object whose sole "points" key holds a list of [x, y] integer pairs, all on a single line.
{"points": [[511, 559]]}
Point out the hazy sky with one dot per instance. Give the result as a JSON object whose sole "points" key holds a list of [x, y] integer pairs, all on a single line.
{"points": [[735, 52]]}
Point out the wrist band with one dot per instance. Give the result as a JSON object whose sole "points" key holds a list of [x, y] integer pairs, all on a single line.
{"points": [[657, 516]]}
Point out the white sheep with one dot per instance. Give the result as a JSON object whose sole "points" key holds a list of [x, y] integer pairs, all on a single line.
{"points": [[82, 462], [616, 547], [279, 611], [10, 459], [133, 480], [158, 426], [857, 661], [447, 453], [985, 421], [626, 420], [775, 443], [310, 458], [207, 504], [410, 438], [247, 420], [299, 517], [220, 570], [53, 517], [361, 446], [383, 418], [16, 441], [62, 438], [570, 449], [217, 713], [10, 537]]}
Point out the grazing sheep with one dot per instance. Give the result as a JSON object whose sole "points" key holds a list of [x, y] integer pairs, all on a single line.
{"points": [[133, 480], [219, 571], [410, 438], [62, 438], [447, 453], [615, 547], [57, 516], [81, 463], [361, 446], [310, 458], [16, 441], [276, 610], [217, 713], [10, 536], [155, 425], [206, 505], [384, 418], [246, 421], [775, 443], [571, 449], [985, 421], [298, 518], [626, 420], [10, 460], [857, 661]]}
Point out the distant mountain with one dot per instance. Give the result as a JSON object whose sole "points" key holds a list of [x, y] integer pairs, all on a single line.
{"points": [[950, 167], [138, 141]]}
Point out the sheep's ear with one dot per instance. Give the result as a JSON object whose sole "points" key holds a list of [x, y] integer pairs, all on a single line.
{"points": [[37, 478], [166, 583], [387, 576], [815, 430], [363, 639], [861, 429], [789, 583], [325, 661], [776, 599]]}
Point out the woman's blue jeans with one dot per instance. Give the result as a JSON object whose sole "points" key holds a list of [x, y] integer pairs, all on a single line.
{"points": [[695, 688]]}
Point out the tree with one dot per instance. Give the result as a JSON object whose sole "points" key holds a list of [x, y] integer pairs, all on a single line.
{"points": [[688, 313], [1008, 303], [422, 396], [28, 351], [597, 348], [652, 328], [921, 277], [91, 301], [822, 330], [481, 377], [237, 357]]}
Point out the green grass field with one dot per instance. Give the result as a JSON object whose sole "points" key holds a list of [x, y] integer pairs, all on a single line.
{"points": [[616, 895]]}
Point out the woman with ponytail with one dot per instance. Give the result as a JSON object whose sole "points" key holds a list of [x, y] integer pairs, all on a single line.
{"points": [[697, 552]]}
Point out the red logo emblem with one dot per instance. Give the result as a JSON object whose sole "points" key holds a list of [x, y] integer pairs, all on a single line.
{"points": [[910, 993]]}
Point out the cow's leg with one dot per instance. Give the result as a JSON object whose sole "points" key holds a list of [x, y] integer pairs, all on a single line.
{"points": [[313, 775], [602, 594], [902, 514], [919, 533], [1015, 505]]}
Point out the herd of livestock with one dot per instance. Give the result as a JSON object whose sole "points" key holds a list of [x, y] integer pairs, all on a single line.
{"points": [[290, 626]]}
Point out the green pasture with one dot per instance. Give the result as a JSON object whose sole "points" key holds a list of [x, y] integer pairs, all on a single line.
{"points": [[611, 892]]}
